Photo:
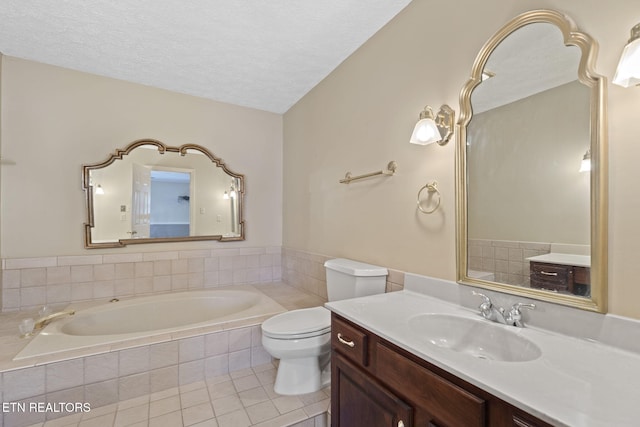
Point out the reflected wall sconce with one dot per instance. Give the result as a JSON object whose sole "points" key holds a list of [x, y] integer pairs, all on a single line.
{"points": [[628, 71], [4, 161], [486, 75], [231, 194], [585, 165], [99, 189], [430, 129]]}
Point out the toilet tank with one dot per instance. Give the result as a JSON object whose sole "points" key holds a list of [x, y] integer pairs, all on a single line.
{"points": [[349, 279]]}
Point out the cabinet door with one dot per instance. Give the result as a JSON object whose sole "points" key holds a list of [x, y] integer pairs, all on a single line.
{"points": [[359, 401]]}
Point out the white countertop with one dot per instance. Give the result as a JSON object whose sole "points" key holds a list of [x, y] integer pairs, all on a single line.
{"points": [[564, 259], [575, 382]]}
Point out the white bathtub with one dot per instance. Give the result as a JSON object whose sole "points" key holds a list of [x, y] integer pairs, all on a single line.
{"points": [[163, 316]]}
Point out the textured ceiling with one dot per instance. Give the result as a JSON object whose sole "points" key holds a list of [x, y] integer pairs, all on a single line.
{"points": [[259, 54]]}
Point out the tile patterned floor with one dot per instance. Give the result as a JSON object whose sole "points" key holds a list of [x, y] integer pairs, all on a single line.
{"points": [[239, 399]]}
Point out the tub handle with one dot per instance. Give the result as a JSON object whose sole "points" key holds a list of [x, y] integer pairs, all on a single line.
{"points": [[345, 342]]}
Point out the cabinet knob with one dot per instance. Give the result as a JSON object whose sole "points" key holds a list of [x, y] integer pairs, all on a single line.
{"points": [[346, 342]]}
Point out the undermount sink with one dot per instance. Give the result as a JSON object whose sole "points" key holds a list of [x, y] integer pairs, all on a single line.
{"points": [[476, 338]]}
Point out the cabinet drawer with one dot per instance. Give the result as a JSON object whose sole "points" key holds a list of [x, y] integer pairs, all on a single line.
{"points": [[525, 420], [552, 273], [446, 403], [551, 276], [349, 340]]}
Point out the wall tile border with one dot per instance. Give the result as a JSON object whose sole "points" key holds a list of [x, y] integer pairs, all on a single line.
{"points": [[28, 283]]}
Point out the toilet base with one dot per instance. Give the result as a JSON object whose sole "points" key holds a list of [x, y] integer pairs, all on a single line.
{"points": [[303, 375]]}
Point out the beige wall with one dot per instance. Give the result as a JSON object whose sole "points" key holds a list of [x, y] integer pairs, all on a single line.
{"points": [[361, 116], [1, 62], [54, 120]]}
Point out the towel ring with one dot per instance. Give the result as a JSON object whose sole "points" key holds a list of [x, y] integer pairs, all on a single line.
{"points": [[432, 188]]}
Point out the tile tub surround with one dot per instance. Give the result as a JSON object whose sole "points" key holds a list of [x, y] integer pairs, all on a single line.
{"points": [[28, 283], [104, 376]]}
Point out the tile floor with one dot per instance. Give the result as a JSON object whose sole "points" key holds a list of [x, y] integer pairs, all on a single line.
{"points": [[239, 399]]}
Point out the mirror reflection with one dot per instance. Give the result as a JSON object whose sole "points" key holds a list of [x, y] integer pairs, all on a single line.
{"points": [[150, 192], [525, 143], [531, 127]]}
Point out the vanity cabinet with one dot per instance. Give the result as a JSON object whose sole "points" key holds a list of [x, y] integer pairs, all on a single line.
{"points": [[376, 383], [560, 278]]}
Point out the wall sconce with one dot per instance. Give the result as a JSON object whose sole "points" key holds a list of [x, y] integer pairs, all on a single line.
{"points": [[628, 71], [585, 165], [430, 129], [99, 190]]}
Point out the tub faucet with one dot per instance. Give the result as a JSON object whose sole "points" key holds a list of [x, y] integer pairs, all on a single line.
{"points": [[44, 321], [497, 314]]}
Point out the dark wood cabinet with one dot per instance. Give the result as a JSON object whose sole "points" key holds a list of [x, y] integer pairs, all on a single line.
{"points": [[560, 278], [375, 383], [360, 401]]}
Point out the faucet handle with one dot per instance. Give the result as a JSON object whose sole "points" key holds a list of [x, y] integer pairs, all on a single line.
{"points": [[517, 306], [515, 315], [486, 299], [486, 306]]}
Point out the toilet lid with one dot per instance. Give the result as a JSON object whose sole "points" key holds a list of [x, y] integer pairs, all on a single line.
{"points": [[294, 324]]}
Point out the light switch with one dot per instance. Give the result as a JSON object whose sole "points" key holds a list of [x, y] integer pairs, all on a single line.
{"points": [[123, 217], [219, 218], [202, 210]]}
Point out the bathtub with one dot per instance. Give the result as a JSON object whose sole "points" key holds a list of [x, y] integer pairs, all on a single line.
{"points": [[164, 316]]}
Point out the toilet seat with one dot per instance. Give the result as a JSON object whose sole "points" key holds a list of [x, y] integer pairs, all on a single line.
{"points": [[298, 324]]}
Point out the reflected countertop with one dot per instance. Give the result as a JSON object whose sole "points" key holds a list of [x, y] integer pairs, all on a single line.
{"points": [[576, 382], [564, 259]]}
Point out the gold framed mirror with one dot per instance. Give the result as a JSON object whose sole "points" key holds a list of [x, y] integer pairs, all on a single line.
{"points": [[149, 192], [529, 221]]}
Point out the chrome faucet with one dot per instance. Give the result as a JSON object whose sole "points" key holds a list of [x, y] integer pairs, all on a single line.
{"points": [[44, 321], [497, 314]]}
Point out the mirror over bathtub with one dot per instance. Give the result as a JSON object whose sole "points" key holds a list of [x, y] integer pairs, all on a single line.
{"points": [[150, 192]]}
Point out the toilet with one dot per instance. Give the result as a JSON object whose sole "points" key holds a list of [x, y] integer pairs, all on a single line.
{"points": [[301, 339]]}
